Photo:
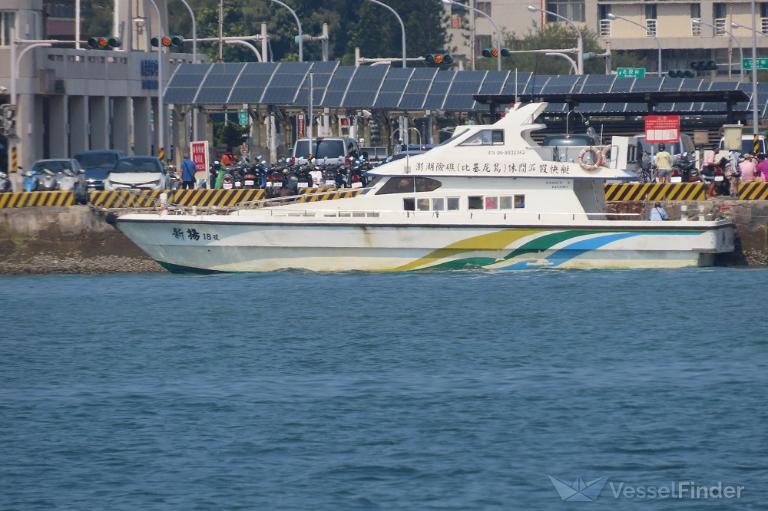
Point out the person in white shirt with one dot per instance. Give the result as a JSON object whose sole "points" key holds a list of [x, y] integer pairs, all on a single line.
{"points": [[658, 213]]}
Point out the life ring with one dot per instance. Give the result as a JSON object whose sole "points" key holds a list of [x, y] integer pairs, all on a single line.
{"points": [[597, 158]]}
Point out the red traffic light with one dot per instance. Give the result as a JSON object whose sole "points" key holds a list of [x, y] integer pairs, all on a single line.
{"points": [[165, 41], [438, 59]]}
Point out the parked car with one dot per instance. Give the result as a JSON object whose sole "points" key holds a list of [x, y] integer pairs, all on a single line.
{"points": [[62, 174], [138, 173], [333, 150], [747, 144], [97, 165]]}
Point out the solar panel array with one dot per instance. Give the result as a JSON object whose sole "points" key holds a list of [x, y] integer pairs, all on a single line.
{"points": [[286, 84]]}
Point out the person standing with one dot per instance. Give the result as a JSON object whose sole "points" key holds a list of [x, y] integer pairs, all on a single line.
{"points": [[658, 213], [762, 167], [187, 173], [747, 169], [663, 163]]}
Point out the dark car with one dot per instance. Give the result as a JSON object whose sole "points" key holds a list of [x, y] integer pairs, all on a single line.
{"points": [[97, 165]]}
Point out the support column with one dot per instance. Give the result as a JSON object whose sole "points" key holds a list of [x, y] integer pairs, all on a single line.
{"points": [[78, 124], [29, 122], [58, 127], [141, 128], [98, 118], [121, 124]]}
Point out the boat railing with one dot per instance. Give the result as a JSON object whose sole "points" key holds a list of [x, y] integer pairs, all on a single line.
{"points": [[577, 154], [479, 215]]}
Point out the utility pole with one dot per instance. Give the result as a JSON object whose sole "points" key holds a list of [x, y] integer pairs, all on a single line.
{"points": [[221, 30]]}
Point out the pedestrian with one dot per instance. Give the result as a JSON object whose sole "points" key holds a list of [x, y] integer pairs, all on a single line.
{"points": [[747, 169], [187, 173], [663, 162], [762, 167], [658, 213]]}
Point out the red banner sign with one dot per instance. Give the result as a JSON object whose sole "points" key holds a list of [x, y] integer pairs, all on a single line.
{"points": [[662, 128], [199, 151]]}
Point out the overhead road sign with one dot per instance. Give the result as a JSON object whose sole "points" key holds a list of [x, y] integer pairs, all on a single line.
{"points": [[761, 64], [630, 72]]}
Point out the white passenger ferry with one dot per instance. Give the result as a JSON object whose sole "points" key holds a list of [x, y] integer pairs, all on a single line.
{"points": [[489, 197]]}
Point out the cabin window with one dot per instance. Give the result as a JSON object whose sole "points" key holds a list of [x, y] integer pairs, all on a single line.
{"points": [[409, 185], [422, 204], [505, 202], [475, 202], [486, 137], [491, 203], [409, 204], [519, 201], [453, 203], [438, 204]]}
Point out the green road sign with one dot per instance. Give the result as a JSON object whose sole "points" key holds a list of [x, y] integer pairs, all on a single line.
{"points": [[630, 72], [761, 64], [244, 118]]}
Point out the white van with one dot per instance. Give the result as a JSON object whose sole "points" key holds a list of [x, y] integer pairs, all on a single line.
{"points": [[336, 150]]}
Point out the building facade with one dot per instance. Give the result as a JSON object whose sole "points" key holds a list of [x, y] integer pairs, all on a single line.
{"points": [[687, 31]]}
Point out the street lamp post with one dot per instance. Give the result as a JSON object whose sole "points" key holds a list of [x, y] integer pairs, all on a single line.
{"points": [[579, 42], [298, 23], [194, 61], [493, 23], [402, 26], [563, 56], [613, 17], [755, 32], [160, 116], [732, 38]]}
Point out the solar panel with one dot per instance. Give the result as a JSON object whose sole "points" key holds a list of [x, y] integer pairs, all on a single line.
{"points": [[285, 83], [723, 86], [440, 85], [671, 84], [691, 84], [639, 108], [516, 83], [556, 108], [218, 83], [252, 81], [559, 84], [417, 88], [464, 85], [364, 86], [337, 86], [622, 84], [493, 83], [393, 87], [321, 74], [536, 84], [594, 84], [650, 84], [185, 82]]}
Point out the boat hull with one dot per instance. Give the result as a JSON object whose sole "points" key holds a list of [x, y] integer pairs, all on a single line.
{"points": [[187, 245]]}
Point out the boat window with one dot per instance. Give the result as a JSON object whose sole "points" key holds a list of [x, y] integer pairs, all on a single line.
{"points": [[438, 204], [409, 204], [505, 202], [491, 203], [456, 134], [399, 184], [486, 137], [519, 201], [422, 204], [475, 202], [453, 203]]}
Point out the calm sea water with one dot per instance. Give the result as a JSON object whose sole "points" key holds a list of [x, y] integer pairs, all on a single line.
{"points": [[352, 391]]}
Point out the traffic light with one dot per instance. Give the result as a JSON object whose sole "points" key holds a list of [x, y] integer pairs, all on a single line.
{"points": [[439, 59], [680, 73], [104, 43], [494, 52], [167, 41], [704, 65]]}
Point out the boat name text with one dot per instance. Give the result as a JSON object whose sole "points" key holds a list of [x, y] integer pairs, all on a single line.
{"points": [[192, 234], [512, 168]]}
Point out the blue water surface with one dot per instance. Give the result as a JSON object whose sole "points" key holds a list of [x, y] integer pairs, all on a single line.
{"points": [[456, 390]]}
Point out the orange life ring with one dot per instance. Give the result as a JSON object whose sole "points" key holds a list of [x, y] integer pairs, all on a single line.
{"points": [[597, 158]]}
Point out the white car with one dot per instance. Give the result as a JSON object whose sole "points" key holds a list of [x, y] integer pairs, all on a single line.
{"points": [[138, 173]]}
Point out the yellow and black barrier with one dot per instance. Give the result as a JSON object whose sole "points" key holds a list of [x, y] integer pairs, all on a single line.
{"points": [[36, 199], [211, 198], [625, 192], [326, 193], [753, 191], [151, 198]]}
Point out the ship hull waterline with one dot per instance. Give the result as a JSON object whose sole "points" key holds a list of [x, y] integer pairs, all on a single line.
{"points": [[186, 245]]}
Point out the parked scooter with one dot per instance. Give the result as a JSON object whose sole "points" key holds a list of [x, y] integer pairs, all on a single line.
{"points": [[685, 170], [5, 183], [31, 181]]}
